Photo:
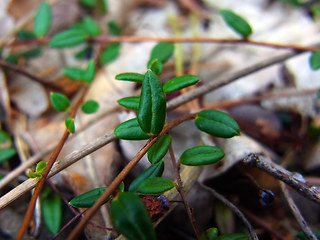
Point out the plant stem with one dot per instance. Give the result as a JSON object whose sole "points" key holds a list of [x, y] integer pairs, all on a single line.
{"points": [[295, 181], [116, 182], [182, 194], [46, 171]]}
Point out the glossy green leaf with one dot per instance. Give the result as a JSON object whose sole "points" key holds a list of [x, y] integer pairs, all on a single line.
{"points": [[237, 23], [42, 21], [156, 66], [110, 53], [130, 130], [59, 102], [178, 83], [131, 218], [209, 234], [88, 3], [133, 77], [90, 107], [86, 75], [52, 212], [24, 35], [152, 106], [154, 170], [68, 38], [155, 185], [159, 149], [113, 28], [70, 125], [314, 60], [91, 27], [7, 153], [87, 199], [233, 236], [162, 51], [216, 123], [201, 155], [130, 102]]}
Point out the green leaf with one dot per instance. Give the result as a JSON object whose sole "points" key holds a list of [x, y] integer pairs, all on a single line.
{"points": [[314, 60], [129, 76], [88, 3], [59, 102], [209, 234], [216, 123], [159, 149], [233, 236], [162, 51], [52, 212], [91, 27], [178, 83], [84, 53], [113, 28], [130, 130], [156, 66], [110, 53], [131, 218], [12, 59], [70, 125], [24, 35], [5, 138], [41, 166], [35, 52], [89, 73], [7, 153], [130, 102], [90, 107], [42, 21], [103, 6], [237, 23], [155, 185], [154, 170], [34, 175], [87, 199], [201, 155], [68, 38], [152, 106]]}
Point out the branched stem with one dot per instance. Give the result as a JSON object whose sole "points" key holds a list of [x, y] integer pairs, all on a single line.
{"points": [[46, 171], [182, 194], [296, 181], [119, 178]]}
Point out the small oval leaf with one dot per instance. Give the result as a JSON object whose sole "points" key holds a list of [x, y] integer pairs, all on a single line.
{"points": [[130, 130], [152, 106], [59, 102], [178, 83], [70, 125], [91, 26], [87, 199], [159, 149], [52, 212], [90, 107], [41, 166], [237, 23], [162, 51], [113, 28], [314, 60], [133, 77], [154, 170], [155, 185], [42, 21], [216, 123], [131, 218], [73, 72], [110, 53], [209, 234], [130, 102], [89, 73], [201, 155], [68, 38]]}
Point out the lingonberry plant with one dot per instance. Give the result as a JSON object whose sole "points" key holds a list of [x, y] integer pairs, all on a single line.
{"points": [[129, 209]]}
